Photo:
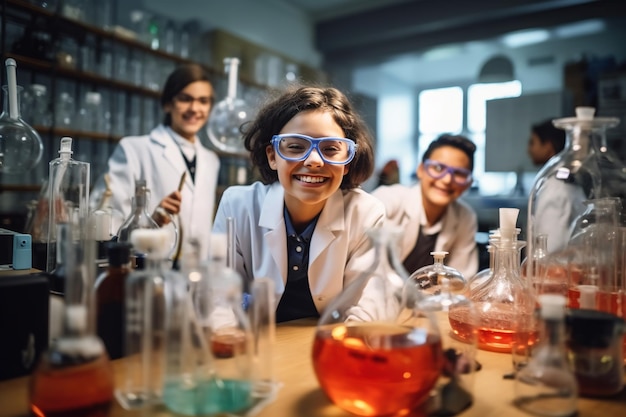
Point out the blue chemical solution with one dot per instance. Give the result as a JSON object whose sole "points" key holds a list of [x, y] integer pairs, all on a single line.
{"points": [[195, 398]]}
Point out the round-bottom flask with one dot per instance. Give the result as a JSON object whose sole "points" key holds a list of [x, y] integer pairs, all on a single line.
{"points": [[372, 354]]}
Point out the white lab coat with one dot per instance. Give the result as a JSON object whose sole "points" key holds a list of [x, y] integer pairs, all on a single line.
{"points": [[340, 249], [458, 229], [157, 159]]}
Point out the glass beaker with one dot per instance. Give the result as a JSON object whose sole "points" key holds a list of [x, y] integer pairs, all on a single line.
{"points": [[20, 145], [372, 354], [442, 287], [74, 376], [546, 386]]}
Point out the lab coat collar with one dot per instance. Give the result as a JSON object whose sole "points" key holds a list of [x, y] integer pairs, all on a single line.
{"points": [[171, 151]]}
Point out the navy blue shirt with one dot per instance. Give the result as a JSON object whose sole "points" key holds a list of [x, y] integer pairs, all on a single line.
{"points": [[297, 301]]}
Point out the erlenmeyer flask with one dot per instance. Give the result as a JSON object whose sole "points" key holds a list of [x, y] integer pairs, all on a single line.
{"points": [[455, 314], [372, 354], [229, 114], [484, 275], [501, 299], [20, 145]]}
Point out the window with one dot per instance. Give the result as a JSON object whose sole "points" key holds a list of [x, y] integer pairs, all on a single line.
{"points": [[440, 111]]}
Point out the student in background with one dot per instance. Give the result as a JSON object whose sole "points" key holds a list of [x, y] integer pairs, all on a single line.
{"points": [[430, 214], [545, 141], [169, 150], [304, 225]]}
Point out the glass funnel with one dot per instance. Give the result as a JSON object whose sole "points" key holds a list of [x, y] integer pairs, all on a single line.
{"points": [[373, 355], [229, 114], [20, 145]]}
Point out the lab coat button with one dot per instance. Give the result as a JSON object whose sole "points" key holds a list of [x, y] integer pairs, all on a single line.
{"points": [[298, 249], [295, 267]]}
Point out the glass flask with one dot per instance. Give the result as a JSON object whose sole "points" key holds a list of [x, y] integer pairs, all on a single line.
{"points": [[593, 254], [74, 376], [505, 303], [373, 355], [563, 185], [442, 287], [209, 349], [35, 105], [547, 386], [147, 306], [20, 145], [484, 275], [68, 195], [229, 114], [595, 343]]}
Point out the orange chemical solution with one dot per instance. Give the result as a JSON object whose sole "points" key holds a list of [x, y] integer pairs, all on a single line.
{"points": [[84, 390], [605, 301], [494, 333], [375, 369]]}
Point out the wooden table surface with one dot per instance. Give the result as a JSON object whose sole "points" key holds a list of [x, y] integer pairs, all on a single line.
{"points": [[300, 395]]}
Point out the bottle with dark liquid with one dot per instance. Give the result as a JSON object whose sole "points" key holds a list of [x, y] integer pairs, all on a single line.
{"points": [[109, 290], [74, 376], [372, 355]]}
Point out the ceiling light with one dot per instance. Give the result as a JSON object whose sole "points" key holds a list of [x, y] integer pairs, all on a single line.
{"points": [[526, 37], [586, 27]]}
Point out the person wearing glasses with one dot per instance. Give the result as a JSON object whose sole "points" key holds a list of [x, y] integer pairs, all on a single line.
{"points": [[304, 224], [170, 150], [430, 213]]}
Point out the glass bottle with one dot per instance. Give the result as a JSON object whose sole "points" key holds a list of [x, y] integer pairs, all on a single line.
{"points": [[484, 275], [209, 360], [21, 146], [74, 376], [36, 106], [501, 299], [109, 290], [568, 180], [372, 354], [68, 195], [148, 292], [442, 287], [547, 386]]}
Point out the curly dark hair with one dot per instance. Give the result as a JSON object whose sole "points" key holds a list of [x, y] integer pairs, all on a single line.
{"points": [[456, 141], [272, 117]]}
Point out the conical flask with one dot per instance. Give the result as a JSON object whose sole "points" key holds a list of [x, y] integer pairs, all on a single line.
{"points": [[372, 354], [443, 289], [483, 275], [74, 376], [21, 146], [500, 299]]}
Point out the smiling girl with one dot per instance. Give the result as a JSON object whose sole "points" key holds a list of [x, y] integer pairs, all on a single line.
{"points": [[304, 224]]}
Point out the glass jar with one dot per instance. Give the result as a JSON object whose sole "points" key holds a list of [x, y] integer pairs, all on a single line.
{"points": [[565, 183], [372, 354]]}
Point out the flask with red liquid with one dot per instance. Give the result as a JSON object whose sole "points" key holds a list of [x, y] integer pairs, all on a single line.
{"points": [[372, 354], [74, 376]]}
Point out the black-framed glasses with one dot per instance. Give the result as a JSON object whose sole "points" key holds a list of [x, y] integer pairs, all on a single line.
{"points": [[296, 147], [437, 170]]}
